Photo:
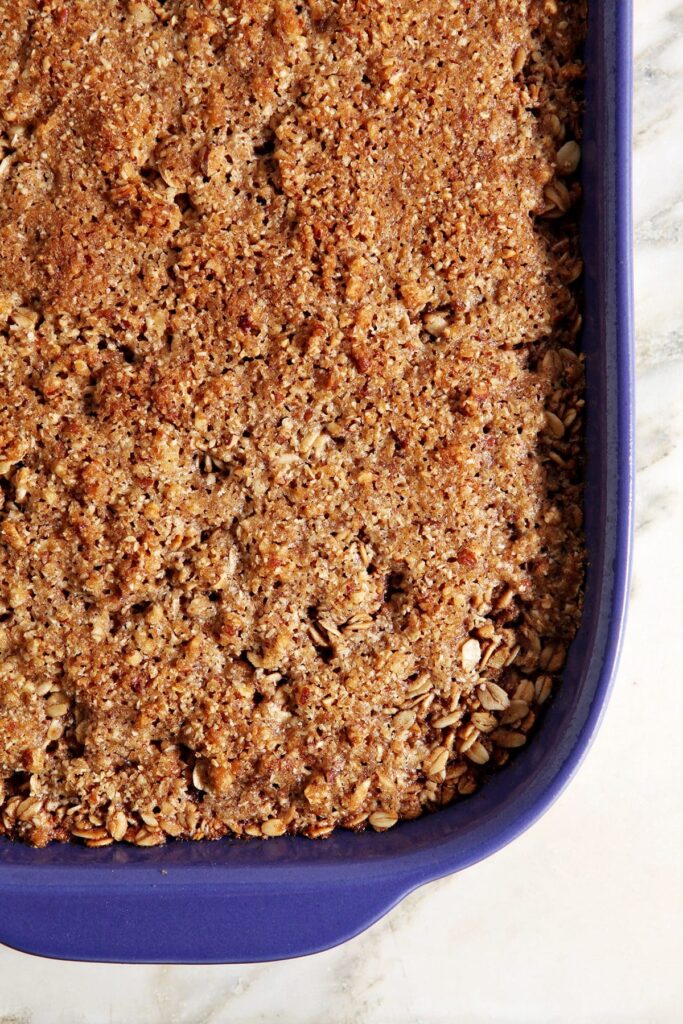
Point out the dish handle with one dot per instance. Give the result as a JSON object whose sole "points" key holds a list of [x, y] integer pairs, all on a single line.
{"points": [[171, 923]]}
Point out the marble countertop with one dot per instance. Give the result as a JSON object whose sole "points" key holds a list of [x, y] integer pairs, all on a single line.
{"points": [[579, 920]]}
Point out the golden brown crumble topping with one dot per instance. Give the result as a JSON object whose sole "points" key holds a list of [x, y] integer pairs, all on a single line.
{"points": [[290, 478]]}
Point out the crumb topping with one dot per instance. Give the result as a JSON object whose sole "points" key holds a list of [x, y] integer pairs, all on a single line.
{"points": [[290, 407]]}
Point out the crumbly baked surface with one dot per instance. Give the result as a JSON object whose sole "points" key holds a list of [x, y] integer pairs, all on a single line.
{"points": [[290, 475]]}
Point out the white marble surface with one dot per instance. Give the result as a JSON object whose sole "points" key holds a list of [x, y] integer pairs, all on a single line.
{"points": [[579, 921]]}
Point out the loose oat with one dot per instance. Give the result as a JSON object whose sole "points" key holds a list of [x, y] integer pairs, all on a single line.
{"points": [[291, 408], [381, 820], [508, 739], [274, 827], [444, 721], [543, 689], [144, 837], [436, 761], [477, 753], [359, 794], [515, 712], [493, 697], [568, 157], [117, 824]]}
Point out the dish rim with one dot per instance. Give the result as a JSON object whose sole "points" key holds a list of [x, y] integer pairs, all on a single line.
{"points": [[34, 883]]}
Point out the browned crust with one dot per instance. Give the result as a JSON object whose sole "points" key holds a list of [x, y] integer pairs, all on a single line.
{"points": [[290, 406]]}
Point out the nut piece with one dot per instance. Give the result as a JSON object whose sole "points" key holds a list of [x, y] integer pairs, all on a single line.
{"points": [[435, 324], [57, 704], [200, 774], [470, 654], [141, 14]]}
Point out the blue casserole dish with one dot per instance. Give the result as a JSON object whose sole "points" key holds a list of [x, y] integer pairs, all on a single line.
{"points": [[233, 901]]}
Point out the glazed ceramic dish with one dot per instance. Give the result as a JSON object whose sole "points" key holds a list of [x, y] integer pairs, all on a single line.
{"points": [[234, 901]]}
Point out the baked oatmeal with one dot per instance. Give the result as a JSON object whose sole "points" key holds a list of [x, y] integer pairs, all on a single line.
{"points": [[291, 404]]}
